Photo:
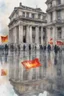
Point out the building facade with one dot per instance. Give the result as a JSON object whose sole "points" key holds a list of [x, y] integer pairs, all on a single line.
{"points": [[32, 26], [55, 20], [27, 26]]}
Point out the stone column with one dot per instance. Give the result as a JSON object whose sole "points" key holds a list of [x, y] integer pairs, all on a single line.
{"points": [[9, 36], [30, 34], [15, 35], [62, 32], [37, 37], [27, 36], [48, 34], [21, 36], [42, 35], [54, 34], [12, 36]]}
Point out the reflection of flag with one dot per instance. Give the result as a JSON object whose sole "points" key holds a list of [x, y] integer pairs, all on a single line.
{"points": [[3, 72], [28, 64], [49, 63], [4, 39]]}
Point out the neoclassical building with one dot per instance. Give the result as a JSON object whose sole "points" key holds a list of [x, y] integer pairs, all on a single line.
{"points": [[55, 20], [27, 26], [32, 26]]}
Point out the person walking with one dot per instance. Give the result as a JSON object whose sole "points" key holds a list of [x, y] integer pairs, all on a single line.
{"points": [[49, 48]]}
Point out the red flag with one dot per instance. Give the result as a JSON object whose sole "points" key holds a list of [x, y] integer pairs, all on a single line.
{"points": [[3, 72], [60, 43], [51, 41], [28, 64], [4, 39]]}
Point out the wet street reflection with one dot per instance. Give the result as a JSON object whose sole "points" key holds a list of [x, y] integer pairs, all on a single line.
{"points": [[49, 77]]}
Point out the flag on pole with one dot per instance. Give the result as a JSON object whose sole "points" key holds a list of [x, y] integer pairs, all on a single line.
{"points": [[28, 64], [4, 39]]}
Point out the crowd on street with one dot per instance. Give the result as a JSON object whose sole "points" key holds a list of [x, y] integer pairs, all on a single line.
{"points": [[48, 48]]}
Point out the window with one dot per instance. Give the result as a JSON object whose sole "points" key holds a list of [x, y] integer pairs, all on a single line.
{"points": [[33, 34], [51, 17], [58, 2], [24, 34], [39, 15], [59, 15], [23, 14], [32, 15], [27, 14], [59, 32]]}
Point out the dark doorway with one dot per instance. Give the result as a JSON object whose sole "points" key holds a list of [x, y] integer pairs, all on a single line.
{"points": [[24, 40]]}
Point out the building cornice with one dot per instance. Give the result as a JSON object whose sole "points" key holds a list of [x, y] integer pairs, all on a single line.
{"points": [[26, 8], [26, 19], [14, 11]]}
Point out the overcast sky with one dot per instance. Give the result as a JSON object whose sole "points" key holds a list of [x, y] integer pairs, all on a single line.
{"points": [[7, 6]]}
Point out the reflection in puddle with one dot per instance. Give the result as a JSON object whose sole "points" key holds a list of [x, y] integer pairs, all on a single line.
{"points": [[49, 76]]}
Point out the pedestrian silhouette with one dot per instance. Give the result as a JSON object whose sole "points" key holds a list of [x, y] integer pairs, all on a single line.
{"points": [[49, 48], [24, 47], [41, 47], [29, 47], [12, 47], [56, 49], [44, 47], [6, 47], [18, 47]]}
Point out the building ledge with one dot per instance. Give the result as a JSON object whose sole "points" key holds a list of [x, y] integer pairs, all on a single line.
{"points": [[33, 19], [56, 22], [27, 19], [58, 7]]}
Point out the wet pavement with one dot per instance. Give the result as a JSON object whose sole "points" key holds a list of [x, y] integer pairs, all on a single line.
{"points": [[49, 77]]}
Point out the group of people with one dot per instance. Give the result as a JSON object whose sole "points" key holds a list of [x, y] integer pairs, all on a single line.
{"points": [[50, 48], [44, 48]]}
